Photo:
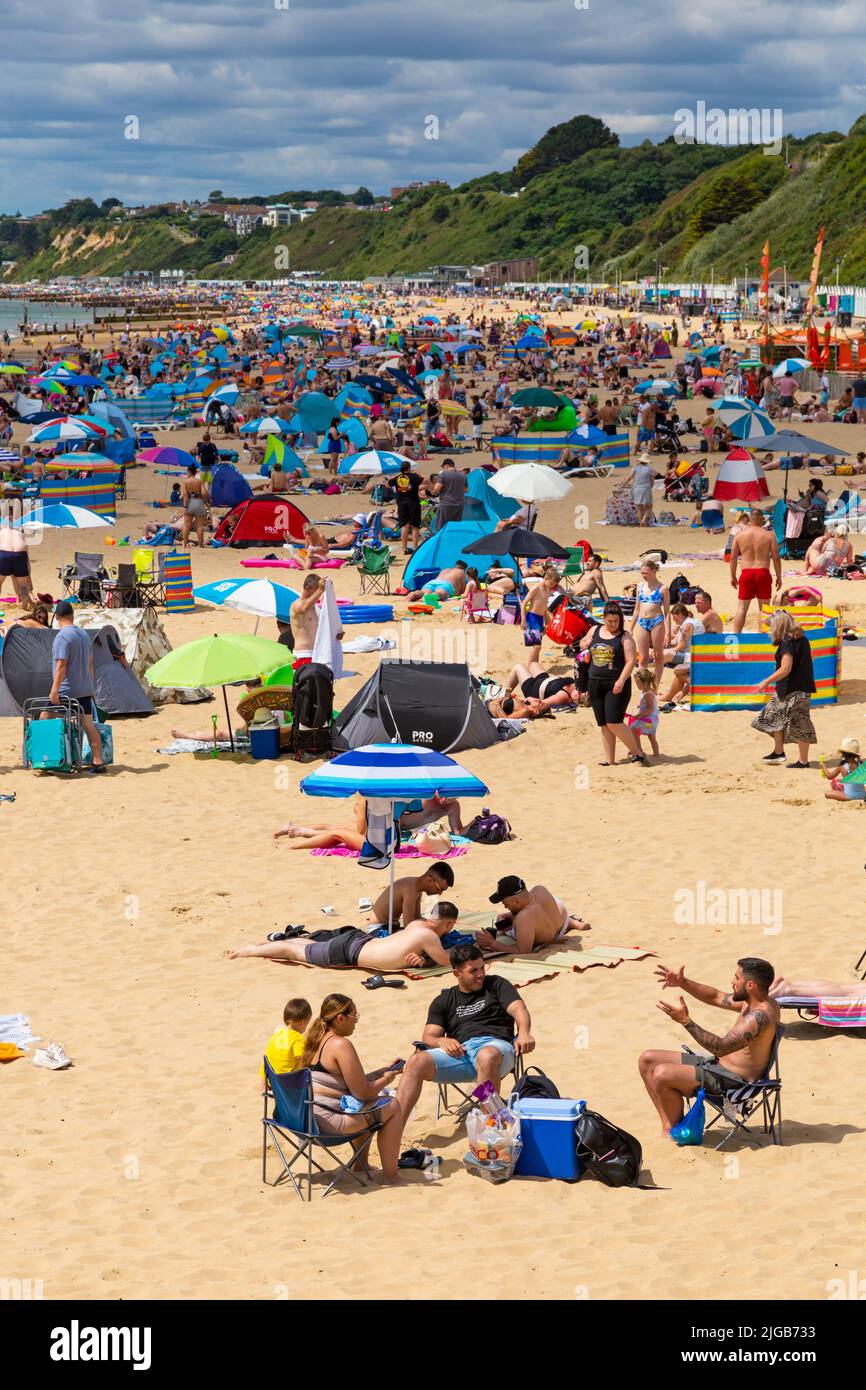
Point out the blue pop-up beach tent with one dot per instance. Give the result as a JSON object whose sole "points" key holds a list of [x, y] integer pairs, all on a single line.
{"points": [[446, 547], [228, 486], [481, 503]]}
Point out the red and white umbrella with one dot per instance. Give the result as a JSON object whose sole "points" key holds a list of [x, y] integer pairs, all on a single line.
{"points": [[741, 478]]}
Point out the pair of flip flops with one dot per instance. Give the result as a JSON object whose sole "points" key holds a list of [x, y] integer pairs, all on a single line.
{"points": [[379, 982], [288, 935], [416, 1158]]}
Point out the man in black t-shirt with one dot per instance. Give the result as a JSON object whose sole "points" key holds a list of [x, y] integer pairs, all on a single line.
{"points": [[407, 487], [473, 1030]]}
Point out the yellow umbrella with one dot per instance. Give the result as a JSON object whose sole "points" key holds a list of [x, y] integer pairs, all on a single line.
{"points": [[453, 408]]}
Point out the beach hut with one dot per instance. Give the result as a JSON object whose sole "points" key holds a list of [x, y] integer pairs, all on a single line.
{"points": [[267, 520], [427, 702]]}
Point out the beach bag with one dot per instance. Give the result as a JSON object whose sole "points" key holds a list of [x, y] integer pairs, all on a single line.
{"points": [[609, 1153], [537, 1087], [509, 611], [488, 829], [690, 1129]]}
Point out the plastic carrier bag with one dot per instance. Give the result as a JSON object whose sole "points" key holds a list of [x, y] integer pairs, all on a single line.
{"points": [[690, 1129], [494, 1136]]}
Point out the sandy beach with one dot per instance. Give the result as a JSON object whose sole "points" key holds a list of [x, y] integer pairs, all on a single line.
{"points": [[137, 1173]]}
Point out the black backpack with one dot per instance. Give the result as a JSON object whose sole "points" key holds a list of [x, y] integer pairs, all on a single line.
{"points": [[538, 1087], [488, 829], [610, 1154], [313, 697], [677, 587]]}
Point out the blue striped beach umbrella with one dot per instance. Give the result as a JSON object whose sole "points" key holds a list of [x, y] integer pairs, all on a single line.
{"points": [[385, 773], [744, 419], [372, 462]]}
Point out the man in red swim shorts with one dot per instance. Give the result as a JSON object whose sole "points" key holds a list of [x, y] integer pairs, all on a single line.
{"points": [[754, 549]]}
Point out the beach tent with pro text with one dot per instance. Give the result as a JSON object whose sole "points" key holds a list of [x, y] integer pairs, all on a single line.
{"points": [[430, 703]]}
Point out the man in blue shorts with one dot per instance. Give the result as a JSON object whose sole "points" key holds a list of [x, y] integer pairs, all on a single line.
{"points": [[473, 1031]]}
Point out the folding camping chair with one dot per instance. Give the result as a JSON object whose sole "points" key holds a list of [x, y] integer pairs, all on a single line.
{"points": [[293, 1121], [574, 565], [84, 577], [374, 569], [739, 1105], [150, 569], [476, 607], [122, 591], [464, 1104]]}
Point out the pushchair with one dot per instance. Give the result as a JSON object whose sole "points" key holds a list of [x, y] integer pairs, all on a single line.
{"points": [[688, 484]]}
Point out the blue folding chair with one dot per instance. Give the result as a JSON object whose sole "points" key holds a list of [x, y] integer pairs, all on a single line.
{"points": [[292, 1120], [739, 1105]]}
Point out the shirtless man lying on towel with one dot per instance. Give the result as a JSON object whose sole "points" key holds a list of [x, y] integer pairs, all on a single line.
{"points": [[534, 917], [417, 945]]}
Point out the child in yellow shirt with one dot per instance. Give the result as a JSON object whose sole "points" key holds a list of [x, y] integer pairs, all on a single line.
{"points": [[286, 1045]]}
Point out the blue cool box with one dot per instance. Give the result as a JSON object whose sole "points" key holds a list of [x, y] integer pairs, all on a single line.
{"points": [[264, 742], [547, 1135]]}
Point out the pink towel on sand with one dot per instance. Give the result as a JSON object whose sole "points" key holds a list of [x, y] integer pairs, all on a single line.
{"points": [[407, 852]]}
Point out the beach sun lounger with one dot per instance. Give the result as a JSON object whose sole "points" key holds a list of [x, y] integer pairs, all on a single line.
{"points": [[830, 1013]]}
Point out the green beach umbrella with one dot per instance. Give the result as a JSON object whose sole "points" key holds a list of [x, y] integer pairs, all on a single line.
{"points": [[218, 660], [538, 397]]}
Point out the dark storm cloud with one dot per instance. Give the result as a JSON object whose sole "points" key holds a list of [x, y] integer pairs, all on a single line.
{"points": [[255, 98]]}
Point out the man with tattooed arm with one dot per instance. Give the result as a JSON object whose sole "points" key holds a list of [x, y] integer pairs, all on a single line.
{"points": [[741, 1055]]}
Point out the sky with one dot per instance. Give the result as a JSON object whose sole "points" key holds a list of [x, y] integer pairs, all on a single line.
{"points": [[258, 96]]}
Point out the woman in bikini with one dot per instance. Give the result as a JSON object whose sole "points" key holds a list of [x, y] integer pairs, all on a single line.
{"points": [[337, 1073], [537, 684], [194, 496], [650, 625]]}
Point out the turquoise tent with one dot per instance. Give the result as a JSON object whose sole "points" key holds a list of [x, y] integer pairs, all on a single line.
{"points": [[445, 547], [482, 503]]}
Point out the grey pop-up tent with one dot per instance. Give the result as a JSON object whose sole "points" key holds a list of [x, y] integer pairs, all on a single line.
{"points": [[430, 703], [26, 670]]}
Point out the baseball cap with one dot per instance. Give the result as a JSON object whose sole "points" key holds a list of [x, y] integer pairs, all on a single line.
{"points": [[507, 888]]}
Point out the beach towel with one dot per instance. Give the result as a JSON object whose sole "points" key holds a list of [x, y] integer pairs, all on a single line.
{"points": [[842, 1013], [376, 851], [572, 954], [404, 852], [15, 1029], [326, 649]]}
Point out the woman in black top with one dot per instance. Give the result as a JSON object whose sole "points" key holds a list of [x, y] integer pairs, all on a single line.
{"points": [[786, 715], [612, 656]]}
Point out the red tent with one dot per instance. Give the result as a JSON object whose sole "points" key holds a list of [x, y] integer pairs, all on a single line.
{"points": [[741, 478], [266, 520]]}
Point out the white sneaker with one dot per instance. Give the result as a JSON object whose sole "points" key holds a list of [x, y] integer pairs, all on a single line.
{"points": [[53, 1057]]}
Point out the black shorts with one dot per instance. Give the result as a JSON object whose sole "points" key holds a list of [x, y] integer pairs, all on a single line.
{"points": [[710, 1073], [14, 562], [409, 513], [607, 707], [340, 948], [85, 701]]}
